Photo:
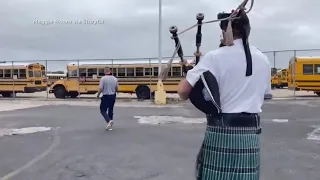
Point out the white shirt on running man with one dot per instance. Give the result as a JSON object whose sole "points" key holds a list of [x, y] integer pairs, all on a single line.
{"points": [[238, 92]]}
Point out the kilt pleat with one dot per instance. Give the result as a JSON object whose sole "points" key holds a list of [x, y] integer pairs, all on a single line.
{"points": [[230, 153]]}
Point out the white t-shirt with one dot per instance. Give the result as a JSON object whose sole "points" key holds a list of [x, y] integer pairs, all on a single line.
{"points": [[238, 92]]}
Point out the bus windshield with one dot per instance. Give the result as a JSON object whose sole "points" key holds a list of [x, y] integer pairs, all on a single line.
{"points": [[37, 74]]}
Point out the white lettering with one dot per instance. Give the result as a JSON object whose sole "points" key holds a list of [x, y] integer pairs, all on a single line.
{"points": [[64, 22], [77, 22], [43, 22], [93, 22]]}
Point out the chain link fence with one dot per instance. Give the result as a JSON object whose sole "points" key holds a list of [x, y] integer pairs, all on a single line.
{"points": [[19, 81]]}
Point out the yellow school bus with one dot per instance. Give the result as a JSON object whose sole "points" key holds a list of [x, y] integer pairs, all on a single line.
{"points": [[133, 77], [283, 78], [51, 78], [274, 78], [21, 78], [304, 74]]}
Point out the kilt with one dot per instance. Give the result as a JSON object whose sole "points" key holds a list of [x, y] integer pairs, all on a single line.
{"points": [[229, 153]]}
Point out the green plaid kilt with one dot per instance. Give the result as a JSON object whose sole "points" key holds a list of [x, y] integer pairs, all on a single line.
{"points": [[229, 153]]}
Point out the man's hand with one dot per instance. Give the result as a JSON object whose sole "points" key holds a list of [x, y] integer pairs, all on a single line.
{"points": [[99, 92]]}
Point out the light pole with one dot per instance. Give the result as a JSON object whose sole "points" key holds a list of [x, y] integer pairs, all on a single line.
{"points": [[160, 95], [160, 37]]}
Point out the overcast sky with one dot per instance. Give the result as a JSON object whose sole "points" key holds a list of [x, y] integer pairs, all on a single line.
{"points": [[129, 28]]}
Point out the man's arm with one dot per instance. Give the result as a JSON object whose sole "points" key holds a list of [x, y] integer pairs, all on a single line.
{"points": [[184, 89], [268, 89], [100, 88], [193, 75]]}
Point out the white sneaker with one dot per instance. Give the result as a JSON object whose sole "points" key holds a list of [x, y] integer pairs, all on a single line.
{"points": [[109, 126]]}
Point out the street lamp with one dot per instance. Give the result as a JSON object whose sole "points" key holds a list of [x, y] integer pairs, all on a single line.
{"points": [[160, 94], [160, 37]]}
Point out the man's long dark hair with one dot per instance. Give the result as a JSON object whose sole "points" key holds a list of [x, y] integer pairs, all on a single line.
{"points": [[241, 27]]}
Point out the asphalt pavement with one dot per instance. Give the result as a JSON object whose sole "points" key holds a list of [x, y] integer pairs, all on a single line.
{"points": [[78, 147]]}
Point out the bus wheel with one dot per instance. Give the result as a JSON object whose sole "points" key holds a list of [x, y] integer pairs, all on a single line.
{"points": [[143, 92], [318, 93], [7, 94], [59, 92], [73, 94]]}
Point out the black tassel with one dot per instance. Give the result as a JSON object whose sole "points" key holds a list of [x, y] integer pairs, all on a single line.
{"points": [[247, 52]]}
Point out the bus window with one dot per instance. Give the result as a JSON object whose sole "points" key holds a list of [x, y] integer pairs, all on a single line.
{"points": [[114, 71], [130, 72], [155, 71], [30, 73], [176, 71], [317, 68], [16, 72], [73, 73], [1, 73], [308, 69], [82, 72], [101, 72], [43, 71], [121, 72], [147, 71], [273, 71], [92, 71], [22, 73], [7, 73], [139, 71]]}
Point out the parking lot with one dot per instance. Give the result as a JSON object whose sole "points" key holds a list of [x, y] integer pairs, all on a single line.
{"points": [[67, 141]]}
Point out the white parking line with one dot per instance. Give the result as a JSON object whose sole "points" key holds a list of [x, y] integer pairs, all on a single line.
{"points": [[27, 130], [315, 134], [168, 120], [280, 120]]}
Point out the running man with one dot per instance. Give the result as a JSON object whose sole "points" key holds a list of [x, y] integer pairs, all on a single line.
{"points": [[108, 87]]}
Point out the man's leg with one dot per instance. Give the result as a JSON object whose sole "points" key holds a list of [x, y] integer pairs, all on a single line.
{"points": [[104, 108], [111, 100]]}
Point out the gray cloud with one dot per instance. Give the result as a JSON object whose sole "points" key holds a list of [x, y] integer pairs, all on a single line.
{"points": [[129, 29]]}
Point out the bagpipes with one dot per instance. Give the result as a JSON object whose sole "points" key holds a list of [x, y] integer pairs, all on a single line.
{"points": [[200, 17], [201, 88]]}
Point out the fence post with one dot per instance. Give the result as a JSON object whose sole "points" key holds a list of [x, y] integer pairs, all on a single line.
{"points": [[112, 68], [294, 74], [47, 90], [274, 59], [13, 81], [151, 75], [78, 74]]}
